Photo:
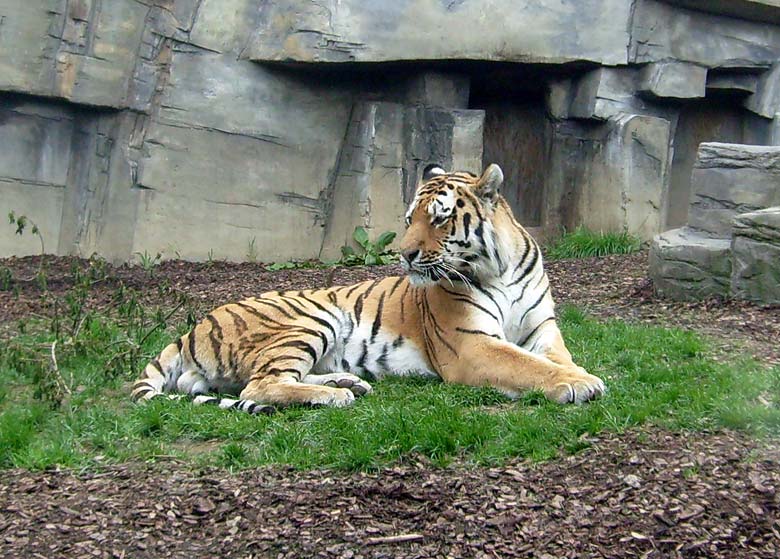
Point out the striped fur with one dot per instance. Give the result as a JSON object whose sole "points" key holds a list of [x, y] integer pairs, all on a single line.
{"points": [[475, 308]]}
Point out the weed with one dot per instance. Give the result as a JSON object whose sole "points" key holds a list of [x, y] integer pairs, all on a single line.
{"points": [[21, 222], [370, 253], [149, 262], [251, 253], [582, 243], [6, 279]]}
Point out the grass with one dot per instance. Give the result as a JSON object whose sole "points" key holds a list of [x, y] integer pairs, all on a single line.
{"points": [[583, 242], [655, 376]]}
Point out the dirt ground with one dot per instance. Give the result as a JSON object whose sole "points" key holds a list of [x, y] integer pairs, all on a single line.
{"points": [[646, 493]]}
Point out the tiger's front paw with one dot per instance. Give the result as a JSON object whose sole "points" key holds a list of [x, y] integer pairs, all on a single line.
{"points": [[355, 384], [575, 387], [335, 397]]}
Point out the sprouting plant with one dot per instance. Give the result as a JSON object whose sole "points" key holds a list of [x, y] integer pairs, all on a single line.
{"points": [[149, 262], [251, 253], [370, 253], [21, 222]]}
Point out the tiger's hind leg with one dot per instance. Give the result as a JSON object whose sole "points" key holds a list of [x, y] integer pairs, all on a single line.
{"points": [[357, 385], [285, 389]]}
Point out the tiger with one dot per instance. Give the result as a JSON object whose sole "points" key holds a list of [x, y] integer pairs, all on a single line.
{"points": [[474, 307]]}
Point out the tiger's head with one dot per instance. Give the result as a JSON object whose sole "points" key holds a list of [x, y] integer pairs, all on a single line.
{"points": [[451, 227]]}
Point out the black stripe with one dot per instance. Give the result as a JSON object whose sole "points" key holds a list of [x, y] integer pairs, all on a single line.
{"points": [[487, 294], [395, 286], [319, 306], [436, 328], [299, 344], [272, 304], [478, 332], [381, 363], [262, 316], [532, 307], [398, 342], [156, 364], [528, 269], [361, 362], [139, 394], [358, 309], [464, 299], [535, 330], [466, 224], [238, 321], [179, 344], [191, 348], [215, 336], [378, 318], [353, 288]]}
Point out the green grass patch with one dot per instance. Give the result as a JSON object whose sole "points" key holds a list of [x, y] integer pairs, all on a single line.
{"points": [[583, 242], [657, 376]]}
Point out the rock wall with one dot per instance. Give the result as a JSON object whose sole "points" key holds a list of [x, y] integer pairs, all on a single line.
{"points": [[731, 244], [229, 128]]}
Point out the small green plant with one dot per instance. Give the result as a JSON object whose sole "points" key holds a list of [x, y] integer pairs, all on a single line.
{"points": [[21, 222], [251, 253], [149, 262], [370, 253], [583, 242], [6, 279]]}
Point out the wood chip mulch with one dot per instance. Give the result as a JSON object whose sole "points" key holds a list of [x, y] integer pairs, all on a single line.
{"points": [[645, 493], [642, 494]]}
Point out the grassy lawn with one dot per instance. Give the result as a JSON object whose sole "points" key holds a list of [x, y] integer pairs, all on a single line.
{"points": [[81, 417]]}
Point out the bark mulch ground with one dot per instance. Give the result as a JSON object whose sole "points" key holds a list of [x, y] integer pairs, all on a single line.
{"points": [[645, 493]]}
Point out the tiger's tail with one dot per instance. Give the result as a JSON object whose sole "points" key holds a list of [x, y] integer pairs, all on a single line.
{"points": [[162, 374]]}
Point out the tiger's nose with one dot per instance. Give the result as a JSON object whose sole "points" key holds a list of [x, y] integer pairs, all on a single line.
{"points": [[411, 254]]}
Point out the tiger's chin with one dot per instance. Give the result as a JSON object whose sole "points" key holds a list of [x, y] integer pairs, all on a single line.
{"points": [[417, 279]]}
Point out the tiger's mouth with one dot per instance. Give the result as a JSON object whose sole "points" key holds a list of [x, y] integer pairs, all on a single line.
{"points": [[421, 275]]}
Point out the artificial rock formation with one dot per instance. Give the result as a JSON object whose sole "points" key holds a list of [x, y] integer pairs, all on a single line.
{"points": [[229, 128], [731, 245]]}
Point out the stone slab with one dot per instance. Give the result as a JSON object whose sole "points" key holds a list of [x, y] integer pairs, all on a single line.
{"points": [[730, 179], [687, 265], [661, 31], [755, 248], [766, 100], [604, 93], [673, 80], [755, 10], [732, 82], [379, 31]]}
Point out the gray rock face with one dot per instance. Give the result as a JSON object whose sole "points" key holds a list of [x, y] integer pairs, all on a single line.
{"points": [[223, 128], [730, 179], [756, 255], [725, 251], [675, 80], [688, 265], [378, 31], [665, 32]]}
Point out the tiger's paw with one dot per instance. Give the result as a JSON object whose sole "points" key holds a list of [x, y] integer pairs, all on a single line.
{"points": [[354, 384], [335, 397], [576, 387]]}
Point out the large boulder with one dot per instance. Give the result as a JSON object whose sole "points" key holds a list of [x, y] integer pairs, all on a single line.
{"points": [[687, 265], [730, 179], [755, 247]]}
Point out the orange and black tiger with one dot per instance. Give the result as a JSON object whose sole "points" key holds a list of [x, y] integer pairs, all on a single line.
{"points": [[475, 308]]}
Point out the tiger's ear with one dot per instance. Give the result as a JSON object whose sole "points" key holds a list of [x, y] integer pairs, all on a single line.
{"points": [[431, 171], [489, 183]]}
